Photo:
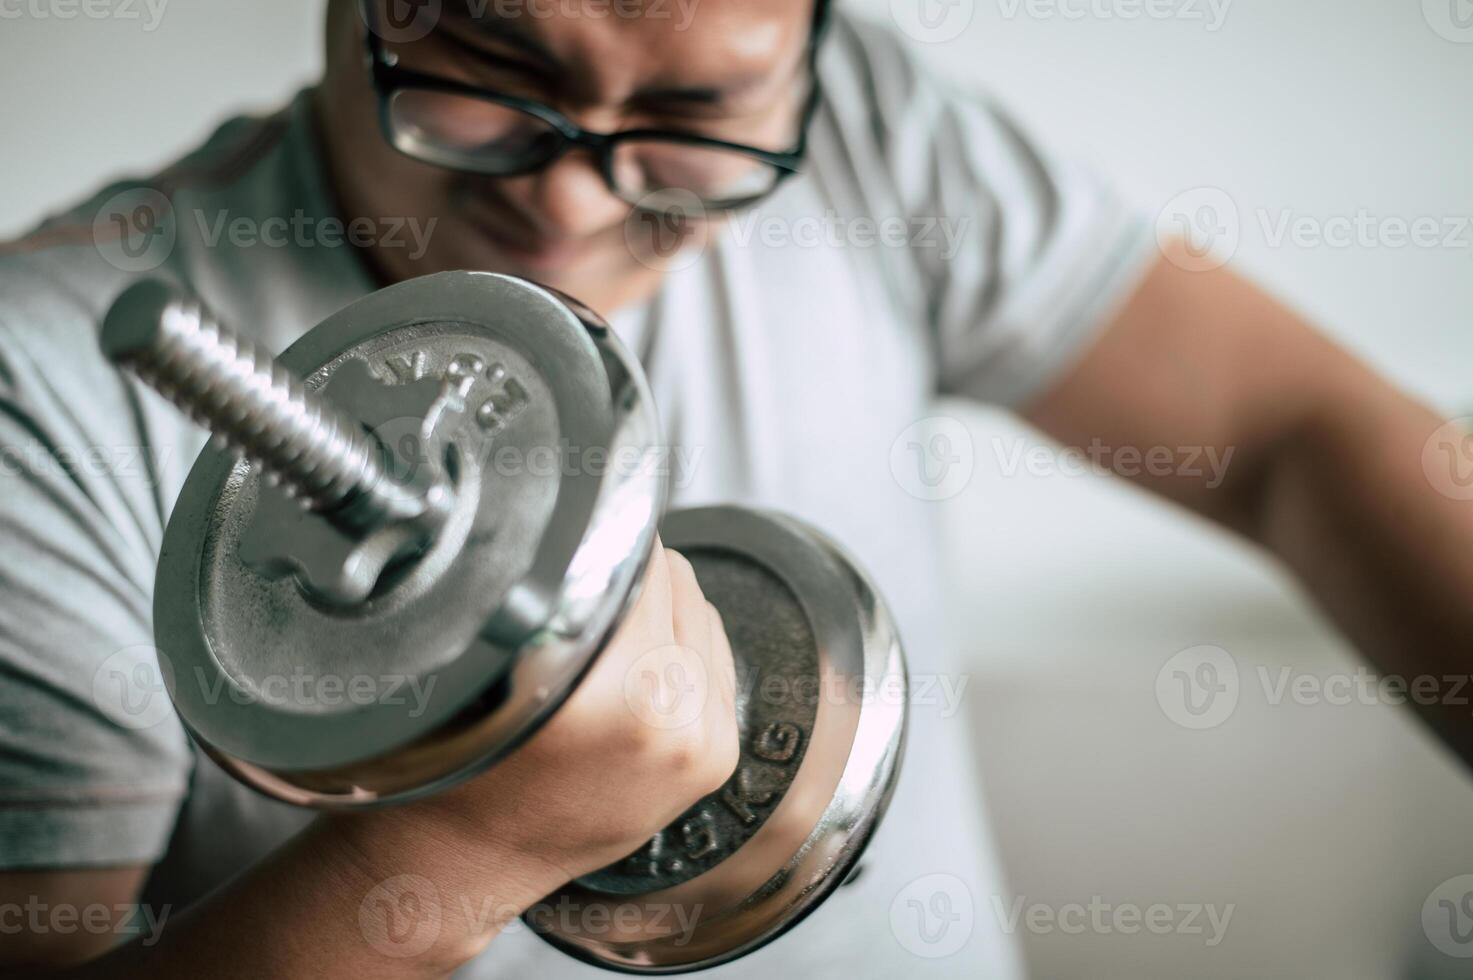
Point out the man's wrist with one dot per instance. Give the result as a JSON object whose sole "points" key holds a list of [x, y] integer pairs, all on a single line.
{"points": [[422, 893]]}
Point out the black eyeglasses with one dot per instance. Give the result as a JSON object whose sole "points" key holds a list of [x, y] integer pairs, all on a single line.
{"points": [[463, 127]]}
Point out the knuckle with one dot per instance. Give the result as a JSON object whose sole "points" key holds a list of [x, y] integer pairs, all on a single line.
{"points": [[681, 567], [640, 741], [679, 561], [626, 828], [681, 754], [720, 765]]}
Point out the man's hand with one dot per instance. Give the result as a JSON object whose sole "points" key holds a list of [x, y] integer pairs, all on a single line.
{"points": [[651, 729], [1326, 465], [647, 733]]}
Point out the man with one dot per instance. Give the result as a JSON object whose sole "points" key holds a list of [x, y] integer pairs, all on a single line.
{"points": [[789, 367]]}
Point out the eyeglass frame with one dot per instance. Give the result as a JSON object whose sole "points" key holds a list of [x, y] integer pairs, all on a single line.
{"points": [[390, 77]]}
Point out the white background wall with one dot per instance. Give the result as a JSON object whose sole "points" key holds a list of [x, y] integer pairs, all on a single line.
{"points": [[1326, 826]]}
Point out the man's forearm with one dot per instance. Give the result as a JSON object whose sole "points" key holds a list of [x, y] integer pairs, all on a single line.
{"points": [[1347, 503], [360, 897]]}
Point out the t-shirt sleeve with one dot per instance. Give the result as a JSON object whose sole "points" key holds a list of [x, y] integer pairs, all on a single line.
{"points": [[93, 762], [1030, 254]]}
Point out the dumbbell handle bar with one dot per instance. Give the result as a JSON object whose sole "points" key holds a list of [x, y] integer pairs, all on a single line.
{"points": [[318, 453]]}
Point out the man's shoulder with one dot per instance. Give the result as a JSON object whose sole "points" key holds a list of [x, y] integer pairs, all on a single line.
{"points": [[53, 302], [61, 276], [58, 280], [872, 66], [888, 122]]}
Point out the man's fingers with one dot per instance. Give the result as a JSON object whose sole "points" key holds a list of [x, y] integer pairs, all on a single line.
{"points": [[655, 601], [723, 663], [688, 604]]}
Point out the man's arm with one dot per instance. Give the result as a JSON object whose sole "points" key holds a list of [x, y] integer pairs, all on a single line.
{"points": [[368, 897], [25, 895], [308, 909], [1326, 468]]}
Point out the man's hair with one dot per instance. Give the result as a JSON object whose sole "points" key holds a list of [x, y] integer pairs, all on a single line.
{"points": [[343, 12]]}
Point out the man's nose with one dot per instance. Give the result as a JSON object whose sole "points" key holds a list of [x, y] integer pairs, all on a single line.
{"points": [[571, 198]]}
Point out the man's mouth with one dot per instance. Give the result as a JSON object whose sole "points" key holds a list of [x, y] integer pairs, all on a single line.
{"points": [[520, 246]]}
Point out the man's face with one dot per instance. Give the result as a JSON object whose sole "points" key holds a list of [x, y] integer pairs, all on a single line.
{"points": [[731, 69]]}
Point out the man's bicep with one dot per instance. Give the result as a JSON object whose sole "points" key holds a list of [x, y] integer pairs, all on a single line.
{"points": [[1197, 377]]}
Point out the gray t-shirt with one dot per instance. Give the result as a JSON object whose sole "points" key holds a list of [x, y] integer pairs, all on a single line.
{"points": [[929, 248]]}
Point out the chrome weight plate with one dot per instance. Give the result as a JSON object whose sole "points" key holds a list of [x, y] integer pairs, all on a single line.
{"points": [[821, 692], [456, 659]]}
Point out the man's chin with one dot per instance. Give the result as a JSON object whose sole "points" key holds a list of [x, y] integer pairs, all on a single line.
{"points": [[540, 263], [553, 264], [600, 274]]}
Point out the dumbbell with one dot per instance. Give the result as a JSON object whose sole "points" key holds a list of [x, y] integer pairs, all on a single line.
{"points": [[451, 487]]}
